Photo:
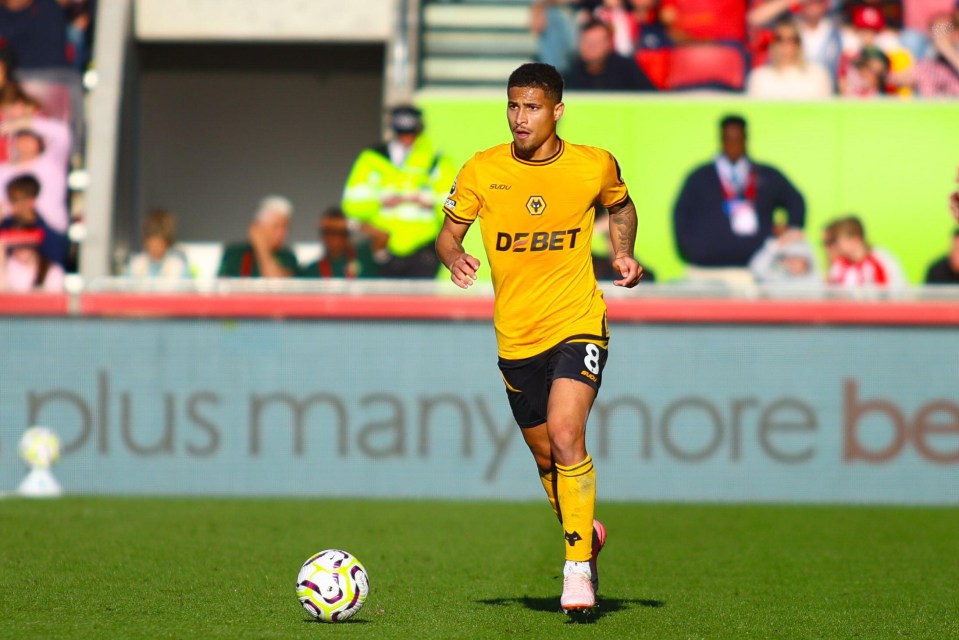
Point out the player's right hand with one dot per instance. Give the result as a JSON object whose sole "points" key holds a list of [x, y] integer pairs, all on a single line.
{"points": [[463, 270]]}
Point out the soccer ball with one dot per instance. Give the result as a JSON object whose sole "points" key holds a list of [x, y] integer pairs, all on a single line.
{"points": [[39, 447], [332, 585]]}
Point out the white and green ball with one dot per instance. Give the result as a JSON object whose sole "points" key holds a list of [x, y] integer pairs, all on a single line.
{"points": [[332, 585], [39, 447]]}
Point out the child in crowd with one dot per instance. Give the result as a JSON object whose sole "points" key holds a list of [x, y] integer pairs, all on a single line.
{"points": [[786, 259], [159, 259], [856, 264]]}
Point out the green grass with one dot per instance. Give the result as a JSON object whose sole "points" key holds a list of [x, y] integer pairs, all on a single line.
{"points": [[192, 568]]}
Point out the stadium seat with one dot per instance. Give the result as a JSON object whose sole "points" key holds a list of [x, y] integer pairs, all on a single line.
{"points": [[705, 66], [655, 63]]}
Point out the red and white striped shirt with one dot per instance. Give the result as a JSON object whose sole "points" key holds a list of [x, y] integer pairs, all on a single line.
{"points": [[870, 271]]}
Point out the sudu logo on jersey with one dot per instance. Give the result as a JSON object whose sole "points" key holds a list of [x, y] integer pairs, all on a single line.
{"points": [[537, 241]]}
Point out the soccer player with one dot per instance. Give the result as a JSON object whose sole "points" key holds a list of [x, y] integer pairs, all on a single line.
{"points": [[535, 200]]}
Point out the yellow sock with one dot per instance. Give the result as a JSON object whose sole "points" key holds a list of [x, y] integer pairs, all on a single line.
{"points": [[576, 490], [548, 478]]}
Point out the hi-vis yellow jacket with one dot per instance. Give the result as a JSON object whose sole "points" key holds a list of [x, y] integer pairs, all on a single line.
{"points": [[422, 182]]}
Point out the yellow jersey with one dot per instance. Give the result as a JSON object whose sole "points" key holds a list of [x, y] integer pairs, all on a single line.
{"points": [[536, 219]]}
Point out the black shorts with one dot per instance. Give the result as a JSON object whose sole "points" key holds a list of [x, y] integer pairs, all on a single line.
{"points": [[529, 380]]}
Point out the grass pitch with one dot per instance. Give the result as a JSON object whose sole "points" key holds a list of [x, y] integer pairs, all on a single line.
{"points": [[193, 568]]}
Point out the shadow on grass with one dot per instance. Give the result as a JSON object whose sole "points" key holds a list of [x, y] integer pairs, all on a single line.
{"points": [[350, 621], [604, 606]]}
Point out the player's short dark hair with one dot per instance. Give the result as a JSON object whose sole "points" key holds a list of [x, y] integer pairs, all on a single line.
{"points": [[539, 75], [733, 120], [26, 184]]}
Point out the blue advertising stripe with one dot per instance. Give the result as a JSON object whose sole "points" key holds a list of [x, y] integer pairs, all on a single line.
{"points": [[418, 409]]}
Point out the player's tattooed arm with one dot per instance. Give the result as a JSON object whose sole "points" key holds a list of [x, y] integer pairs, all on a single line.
{"points": [[622, 234], [622, 227]]}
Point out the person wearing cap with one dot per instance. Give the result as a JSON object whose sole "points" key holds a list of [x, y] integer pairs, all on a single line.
{"points": [[861, 47], [41, 148], [264, 254], [399, 188]]}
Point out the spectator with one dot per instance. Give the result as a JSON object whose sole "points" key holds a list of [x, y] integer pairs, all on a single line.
{"points": [[859, 265], [820, 34], [619, 16], [11, 93], [939, 75], [555, 31], [724, 212], [870, 33], [652, 31], [79, 27], [264, 254], [342, 256], [788, 74], [36, 31], [41, 147], [22, 194], [954, 204], [22, 266], [159, 258], [946, 269], [866, 78], [399, 189], [786, 259], [867, 28], [600, 68]]}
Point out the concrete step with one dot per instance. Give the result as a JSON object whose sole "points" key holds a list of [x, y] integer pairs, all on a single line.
{"points": [[439, 43], [469, 70]]}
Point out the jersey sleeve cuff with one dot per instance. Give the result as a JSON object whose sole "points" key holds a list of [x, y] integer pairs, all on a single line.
{"points": [[618, 202], [455, 218]]}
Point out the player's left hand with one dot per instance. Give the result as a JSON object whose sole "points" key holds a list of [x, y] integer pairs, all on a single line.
{"points": [[629, 269]]}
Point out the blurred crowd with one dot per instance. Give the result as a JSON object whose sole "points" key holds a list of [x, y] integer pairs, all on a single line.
{"points": [[44, 45], [735, 219], [790, 49]]}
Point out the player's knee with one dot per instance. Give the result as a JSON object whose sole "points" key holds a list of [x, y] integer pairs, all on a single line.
{"points": [[568, 445]]}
